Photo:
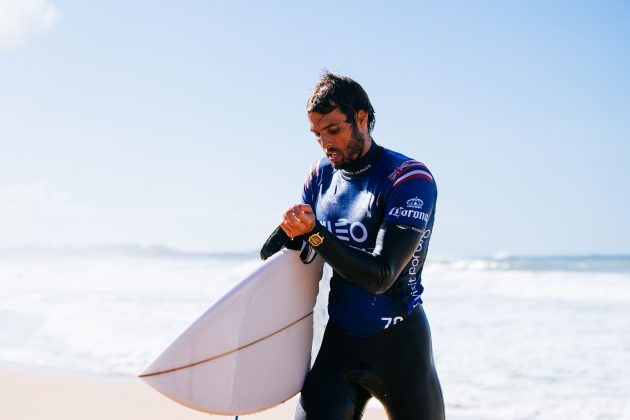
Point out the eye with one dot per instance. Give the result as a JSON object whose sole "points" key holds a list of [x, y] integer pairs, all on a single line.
{"points": [[333, 131]]}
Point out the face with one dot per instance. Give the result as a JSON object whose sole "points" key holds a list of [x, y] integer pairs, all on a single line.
{"points": [[342, 142]]}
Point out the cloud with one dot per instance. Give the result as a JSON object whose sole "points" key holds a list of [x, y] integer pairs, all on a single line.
{"points": [[21, 19]]}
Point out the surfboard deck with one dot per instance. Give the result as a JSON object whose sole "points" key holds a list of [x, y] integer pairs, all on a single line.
{"points": [[251, 349]]}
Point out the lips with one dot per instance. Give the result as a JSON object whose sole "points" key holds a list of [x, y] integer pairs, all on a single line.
{"points": [[332, 154]]}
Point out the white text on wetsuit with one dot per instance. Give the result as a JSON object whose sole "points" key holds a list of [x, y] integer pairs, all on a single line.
{"points": [[415, 261], [414, 214], [344, 229]]}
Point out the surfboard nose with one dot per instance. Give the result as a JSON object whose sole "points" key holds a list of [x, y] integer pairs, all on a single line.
{"points": [[260, 329]]}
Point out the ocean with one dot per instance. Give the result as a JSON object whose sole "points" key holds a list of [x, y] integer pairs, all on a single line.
{"points": [[513, 337]]}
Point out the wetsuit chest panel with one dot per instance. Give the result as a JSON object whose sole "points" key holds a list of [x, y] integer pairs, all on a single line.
{"points": [[395, 189], [349, 210]]}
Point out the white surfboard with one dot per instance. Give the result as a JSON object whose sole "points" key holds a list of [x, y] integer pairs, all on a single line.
{"points": [[251, 349]]}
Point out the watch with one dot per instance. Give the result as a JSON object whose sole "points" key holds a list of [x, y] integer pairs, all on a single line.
{"points": [[315, 239]]}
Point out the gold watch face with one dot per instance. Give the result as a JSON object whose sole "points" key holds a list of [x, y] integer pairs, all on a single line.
{"points": [[315, 239]]}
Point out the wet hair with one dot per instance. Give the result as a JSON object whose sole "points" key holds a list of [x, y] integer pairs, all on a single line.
{"points": [[333, 91]]}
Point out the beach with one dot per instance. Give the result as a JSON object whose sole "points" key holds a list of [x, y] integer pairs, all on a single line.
{"points": [[28, 394], [537, 338], [33, 395]]}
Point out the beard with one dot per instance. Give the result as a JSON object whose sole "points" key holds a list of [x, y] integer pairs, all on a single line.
{"points": [[353, 150]]}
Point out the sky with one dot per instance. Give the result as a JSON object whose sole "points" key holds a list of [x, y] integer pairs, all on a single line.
{"points": [[183, 124]]}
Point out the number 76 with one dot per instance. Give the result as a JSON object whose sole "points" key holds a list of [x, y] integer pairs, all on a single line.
{"points": [[392, 321]]}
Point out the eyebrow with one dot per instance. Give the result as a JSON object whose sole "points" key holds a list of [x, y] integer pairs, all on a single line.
{"points": [[328, 126]]}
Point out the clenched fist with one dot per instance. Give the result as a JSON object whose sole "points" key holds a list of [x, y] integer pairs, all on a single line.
{"points": [[298, 220]]}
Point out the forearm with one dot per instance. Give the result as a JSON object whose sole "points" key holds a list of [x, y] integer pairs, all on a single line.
{"points": [[369, 271], [373, 271]]}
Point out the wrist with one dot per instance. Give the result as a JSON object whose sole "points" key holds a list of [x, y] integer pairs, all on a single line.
{"points": [[316, 229]]}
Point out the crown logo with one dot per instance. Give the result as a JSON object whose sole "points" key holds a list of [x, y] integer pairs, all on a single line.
{"points": [[415, 203]]}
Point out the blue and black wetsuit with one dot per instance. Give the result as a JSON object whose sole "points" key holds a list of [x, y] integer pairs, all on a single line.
{"points": [[386, 190], [376, 218]]}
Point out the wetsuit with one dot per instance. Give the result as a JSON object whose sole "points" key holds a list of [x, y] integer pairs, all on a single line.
{"points": [[376, 218]]}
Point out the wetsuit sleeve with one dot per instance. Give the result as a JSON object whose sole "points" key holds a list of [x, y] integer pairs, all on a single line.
{"points": [[373, 271], [407, 213], [412, 199], [311, 180], [274, 243]]}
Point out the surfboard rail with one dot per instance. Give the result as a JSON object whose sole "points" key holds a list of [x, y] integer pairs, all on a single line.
{"points": [[215, 365]]}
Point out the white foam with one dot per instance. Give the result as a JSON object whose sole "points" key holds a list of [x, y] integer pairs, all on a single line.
{"points": [[509, 344]]}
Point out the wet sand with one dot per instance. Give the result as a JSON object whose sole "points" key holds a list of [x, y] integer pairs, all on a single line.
{"points": [[34, 395]]}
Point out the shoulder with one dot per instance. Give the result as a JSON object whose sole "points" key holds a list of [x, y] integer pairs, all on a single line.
{"points": [[402, 169], [318, 170], [319, 167]]}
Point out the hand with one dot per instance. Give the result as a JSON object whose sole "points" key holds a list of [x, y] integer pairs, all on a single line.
{"points": [[298, 220]]}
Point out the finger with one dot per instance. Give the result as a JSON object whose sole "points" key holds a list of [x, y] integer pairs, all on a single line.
{"points": [[293, 226], [295, 217], [300, 217], [290, 214], [305, 208], [301, 208], [288, 229], [304, 213]]}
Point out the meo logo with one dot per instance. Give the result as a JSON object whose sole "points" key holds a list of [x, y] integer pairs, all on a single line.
{"points": [[344, 229]]}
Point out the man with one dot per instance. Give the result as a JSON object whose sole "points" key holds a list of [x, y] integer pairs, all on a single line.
{"points": [[368, 211]]}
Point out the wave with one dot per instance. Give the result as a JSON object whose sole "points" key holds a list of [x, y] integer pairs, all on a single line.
{"points": [[580, 263], [116, 251], [502, 262]]}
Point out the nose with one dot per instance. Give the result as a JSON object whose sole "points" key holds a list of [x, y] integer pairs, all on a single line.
{"points": [[324, 141]]}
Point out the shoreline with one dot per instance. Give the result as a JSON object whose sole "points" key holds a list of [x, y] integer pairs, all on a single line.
{"points": [[30, 393]]}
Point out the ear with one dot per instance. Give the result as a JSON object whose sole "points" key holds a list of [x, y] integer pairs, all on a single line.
{"points": [[362, 118]]}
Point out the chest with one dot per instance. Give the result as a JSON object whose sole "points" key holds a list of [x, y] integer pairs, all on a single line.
{"points": [[351, 209]]}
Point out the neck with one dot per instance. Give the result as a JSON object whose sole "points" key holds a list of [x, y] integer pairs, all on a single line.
{"points": [[365, 162], [368, 145]]}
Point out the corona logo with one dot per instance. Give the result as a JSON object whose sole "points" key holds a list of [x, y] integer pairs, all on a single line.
{"points": [[414, 214], [415, 203]]}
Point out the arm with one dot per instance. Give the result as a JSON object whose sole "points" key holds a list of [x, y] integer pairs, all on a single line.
{"points": [[397, 239], [407, 214], [274, 243], [376, 271], [279, 238]]}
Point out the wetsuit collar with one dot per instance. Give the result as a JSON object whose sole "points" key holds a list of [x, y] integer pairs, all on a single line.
{"points": [[364, 163]]}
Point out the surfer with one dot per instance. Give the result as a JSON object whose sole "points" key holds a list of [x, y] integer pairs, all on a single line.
{"points": [[369, 212]]}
